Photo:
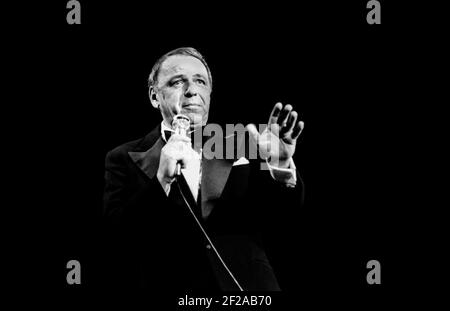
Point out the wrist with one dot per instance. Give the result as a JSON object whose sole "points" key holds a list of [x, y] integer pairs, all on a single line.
{"points": [[280, 163], [284, 172]]}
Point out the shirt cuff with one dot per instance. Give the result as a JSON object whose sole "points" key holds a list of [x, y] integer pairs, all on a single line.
{"points": [[287, 176]]}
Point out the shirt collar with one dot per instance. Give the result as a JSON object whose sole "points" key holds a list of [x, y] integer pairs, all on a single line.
{"points": [[164, 127]]}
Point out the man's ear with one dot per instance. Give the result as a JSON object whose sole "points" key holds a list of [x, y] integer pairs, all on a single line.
{"points": [[153, 97]]}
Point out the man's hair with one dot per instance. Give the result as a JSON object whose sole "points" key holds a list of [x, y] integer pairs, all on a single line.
{"points": [[188, 51]]}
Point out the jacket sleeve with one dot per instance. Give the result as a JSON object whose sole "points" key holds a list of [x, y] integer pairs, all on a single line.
{"points": [[279, 201]]}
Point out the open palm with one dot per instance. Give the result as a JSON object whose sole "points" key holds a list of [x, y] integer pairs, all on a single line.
{"points": [[278, 141]]}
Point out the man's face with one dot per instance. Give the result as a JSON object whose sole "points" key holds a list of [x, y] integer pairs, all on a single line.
{"points": [[183, 87]]}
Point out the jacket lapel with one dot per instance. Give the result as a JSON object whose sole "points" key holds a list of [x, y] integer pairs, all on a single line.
{"points": [[148, 161], [215, 173], [147, 152]]}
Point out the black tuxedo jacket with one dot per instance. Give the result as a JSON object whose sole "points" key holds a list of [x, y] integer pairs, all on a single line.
{"points": [[154, 240]]}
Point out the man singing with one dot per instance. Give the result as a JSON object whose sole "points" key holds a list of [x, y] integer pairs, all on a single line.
{"points": [[204, 229]]}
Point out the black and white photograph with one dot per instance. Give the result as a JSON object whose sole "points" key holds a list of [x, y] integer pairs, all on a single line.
{"points": [[224, 155]]}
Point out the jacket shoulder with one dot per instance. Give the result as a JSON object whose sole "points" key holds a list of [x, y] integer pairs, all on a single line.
{"points": [[141, 144], [120, 153], [123, 149]]}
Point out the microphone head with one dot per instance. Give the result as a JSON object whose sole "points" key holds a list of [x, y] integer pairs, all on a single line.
{"points": [[180, 122]]}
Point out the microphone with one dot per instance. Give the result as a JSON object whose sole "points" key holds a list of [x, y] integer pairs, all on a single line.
{"points": [[180, 125]]}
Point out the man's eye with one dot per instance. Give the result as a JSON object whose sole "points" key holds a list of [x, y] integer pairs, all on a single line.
{"points": [[177, 82], [201, 81]]}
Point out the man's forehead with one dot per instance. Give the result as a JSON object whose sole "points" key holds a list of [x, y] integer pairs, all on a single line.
{"points": [[176, 64]]}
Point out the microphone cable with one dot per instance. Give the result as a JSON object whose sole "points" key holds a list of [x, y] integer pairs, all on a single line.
{"points": [[209, 240]]}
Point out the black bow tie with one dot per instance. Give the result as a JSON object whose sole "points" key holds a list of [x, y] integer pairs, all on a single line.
{"points": [[168, 134]]}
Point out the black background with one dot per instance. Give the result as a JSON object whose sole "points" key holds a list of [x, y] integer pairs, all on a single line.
{"points": [[358, 88]]}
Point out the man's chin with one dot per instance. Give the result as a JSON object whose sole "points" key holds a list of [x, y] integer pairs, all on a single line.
{"points": [[196, 119]]}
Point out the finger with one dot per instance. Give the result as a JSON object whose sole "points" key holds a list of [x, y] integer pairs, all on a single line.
{"points": [[290, 123], [179, 157], [275, 113], [177, 149], [179, 138], [173, 167], [254, 134], [298, 129], [183, 161], [172, 160], [284, 114]]}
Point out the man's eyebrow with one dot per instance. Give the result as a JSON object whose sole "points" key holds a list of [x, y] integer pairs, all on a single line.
{"points": [[176, 76]]}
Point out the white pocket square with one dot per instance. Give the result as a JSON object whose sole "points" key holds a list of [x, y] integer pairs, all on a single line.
{"points": [[241, 161]]}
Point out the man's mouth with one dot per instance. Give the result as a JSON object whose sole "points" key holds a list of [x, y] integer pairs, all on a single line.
{"points": [[189, 106]]}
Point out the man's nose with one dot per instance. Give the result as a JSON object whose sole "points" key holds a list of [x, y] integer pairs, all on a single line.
{"points": [[191, 90]]}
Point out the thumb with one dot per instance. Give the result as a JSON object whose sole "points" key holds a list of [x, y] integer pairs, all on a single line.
{"points": [[254, 134]]}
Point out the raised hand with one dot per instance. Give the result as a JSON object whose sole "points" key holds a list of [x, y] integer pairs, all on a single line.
{"points": [[277, 142]]}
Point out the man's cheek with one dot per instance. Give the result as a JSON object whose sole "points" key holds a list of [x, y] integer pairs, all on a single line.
{"points": [[206, 99], [170, 102]]}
